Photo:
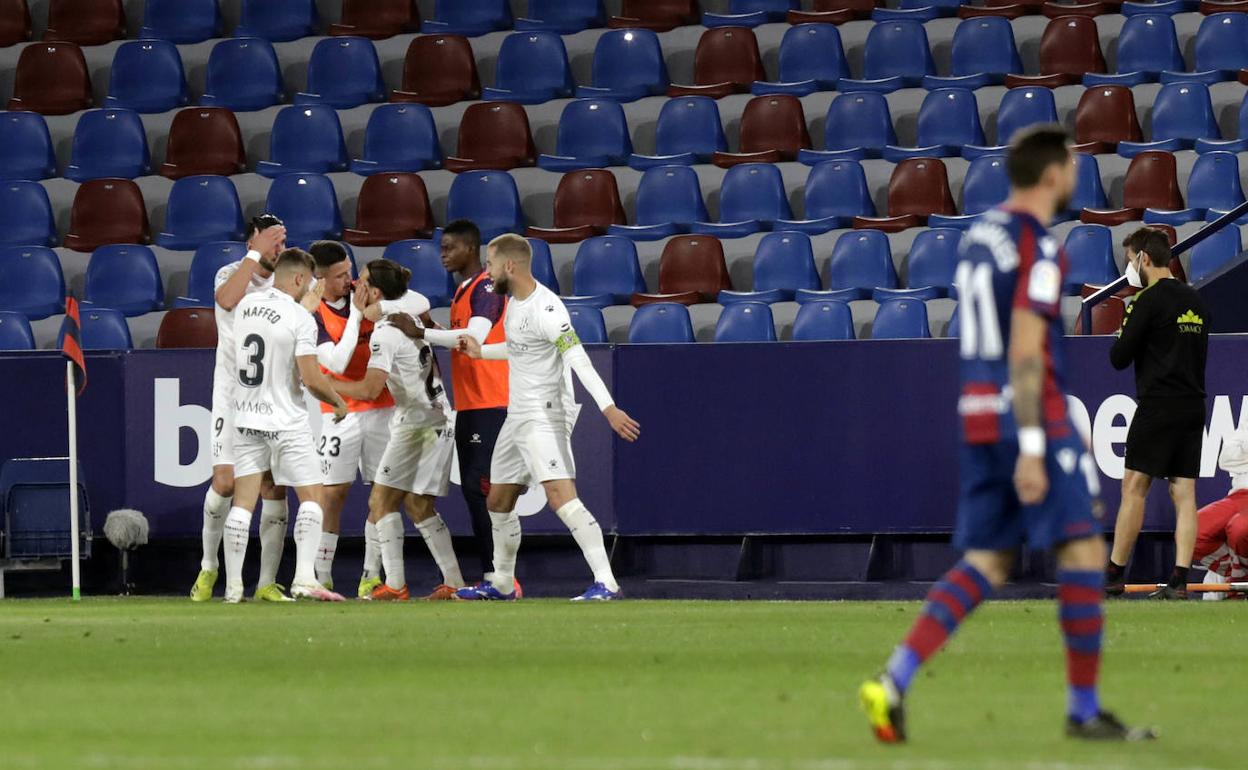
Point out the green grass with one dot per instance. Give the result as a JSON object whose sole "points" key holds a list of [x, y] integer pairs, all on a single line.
{"points": [[143, 683]]}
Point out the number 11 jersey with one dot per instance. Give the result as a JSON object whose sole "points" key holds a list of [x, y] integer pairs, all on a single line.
{"points": [[271, 330]]}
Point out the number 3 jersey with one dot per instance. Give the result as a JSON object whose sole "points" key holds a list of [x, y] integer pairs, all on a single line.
{"points": [[1007, 260], [271, 330], [414, 379]]}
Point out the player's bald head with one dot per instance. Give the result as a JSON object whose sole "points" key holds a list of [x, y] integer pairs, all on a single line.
{"points": [[513, 247]]}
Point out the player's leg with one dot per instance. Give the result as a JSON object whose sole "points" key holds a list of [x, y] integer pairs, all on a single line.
{"points": [[1135, 486], [339, 449], [383, 512], [509, 476], [562, 497], [333, 498], [274, 516], [295, 465], [1186, 528], [432, 479], [238, 532], [375, 427], [476, 432], [217, 503]]}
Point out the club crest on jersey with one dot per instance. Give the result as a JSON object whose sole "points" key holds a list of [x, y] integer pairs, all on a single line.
{"points": [[1045, 284]]}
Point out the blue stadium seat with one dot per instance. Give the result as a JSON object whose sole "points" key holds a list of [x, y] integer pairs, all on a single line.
{"points": [[109, 143], [588, 324], [948, 121], [751, 198], [1220, 50], [344, 72], [26, 214], [279, 21], [689, 131], [1215, 251], [16, 334], [26, 150], [784, 264], [660, 323], [305, 139], [984, 52], [862, 261], [532, 68], [901, 319], [424, 259], [563, 17], [1182, 114], [745, 322], [811, 59], [952, 331], [606, 271], [31, 281], [669, 201], [147, 76], [897, 56], [399, 137], [307, 204], [1166, 7], [1020, 108], [1090, 251], [986, 184], [543, 264], [468, 17], [101, 329], [1147, 46], [243, 75], [628, 64], [205, 264], [836, 191], [1230, 145], [181, 21], [1213, 186], [201, 209], [858, 125], [593, 133], [751, 13], [488, 198], [823, 320], [933, 259], [34, 509], [125, 277], [1089, 192]]}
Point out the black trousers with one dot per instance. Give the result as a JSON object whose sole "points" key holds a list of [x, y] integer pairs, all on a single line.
{"points": [[476, 430]]}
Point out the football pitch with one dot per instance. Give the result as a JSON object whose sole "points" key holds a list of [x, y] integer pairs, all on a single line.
{"points": [[139, 684]]}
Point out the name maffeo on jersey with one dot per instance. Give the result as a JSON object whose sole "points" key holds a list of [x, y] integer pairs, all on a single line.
{"points": [[263, 312]]}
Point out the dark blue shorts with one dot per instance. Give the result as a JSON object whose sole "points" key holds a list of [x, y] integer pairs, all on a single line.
{"points": [[991, 518]]}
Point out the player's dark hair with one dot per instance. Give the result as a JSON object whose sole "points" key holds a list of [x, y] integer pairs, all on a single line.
{"points": [[327, 253], [389, 277], [1152, 242], [262, 222], [465, 230], [295, 259], [1033, 151]]}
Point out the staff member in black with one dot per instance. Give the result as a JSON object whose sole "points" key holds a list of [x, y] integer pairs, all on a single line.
{"points": [[1166, 335]]}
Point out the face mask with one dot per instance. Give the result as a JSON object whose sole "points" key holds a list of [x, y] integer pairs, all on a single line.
{"points": [[1133, 276]]}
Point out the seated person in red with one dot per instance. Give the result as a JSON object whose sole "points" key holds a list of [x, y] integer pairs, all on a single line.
{"points": [[1222, 538]]}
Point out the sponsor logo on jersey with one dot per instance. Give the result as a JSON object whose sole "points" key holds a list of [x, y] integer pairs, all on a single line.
{"points": [[1190, 323], [262, 408]]}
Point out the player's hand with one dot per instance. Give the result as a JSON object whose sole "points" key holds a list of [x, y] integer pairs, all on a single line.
{"points": [[1030, 479], [340, 411], [428, 321], [268, 241], [312, 297], [625, 427], [373, 312], [359, 297], [406, 324], [469, 346]]}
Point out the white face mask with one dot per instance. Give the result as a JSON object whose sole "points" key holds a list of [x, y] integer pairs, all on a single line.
{"points": [[1133, 276]]}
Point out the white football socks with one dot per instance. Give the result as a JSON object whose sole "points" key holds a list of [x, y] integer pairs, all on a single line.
{"points": [[438, 537], [274, 515], [506, 529], [216, 508], [325, 557], [390, 542], [588, 536], [237, 531], [372, 552], [307, 538]]}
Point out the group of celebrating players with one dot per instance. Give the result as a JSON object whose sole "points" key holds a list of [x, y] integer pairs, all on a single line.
{"points": [[290, 320]]}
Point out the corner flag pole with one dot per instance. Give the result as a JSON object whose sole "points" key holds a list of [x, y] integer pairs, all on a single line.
{"points": [[71, 398]]}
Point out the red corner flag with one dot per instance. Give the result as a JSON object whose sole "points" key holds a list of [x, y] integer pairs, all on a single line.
{"points": [[71, 343]]}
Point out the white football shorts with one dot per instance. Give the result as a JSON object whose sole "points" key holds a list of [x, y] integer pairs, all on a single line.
{"points": [[222, 420], [355, 444], [532, 449], [418, 460], [289, 454]]}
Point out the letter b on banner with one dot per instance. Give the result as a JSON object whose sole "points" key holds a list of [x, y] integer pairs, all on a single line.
{"points": [[170, 417]]}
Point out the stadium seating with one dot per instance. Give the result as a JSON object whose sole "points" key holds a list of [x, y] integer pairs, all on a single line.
{"points": [[207, 261], [1239, 144], [655, 323], [823, 320], [898, 319], [751, 199], [31, 281], [439, 70], [1090, 251], [563, 17], [784, 263], [16, 334], [343, 72], [51, 79], [773, 129], [305, 139], [727, 61], [181, 21], [201, 209], [424, 259], [586, 204], [278, 20], [493, 137], [811, 59], [985, 185], [933, 260], [669, 201], [862, 261], [532, 68], [377, 19], [656, 15], [468, 17], [243, 75], [984, 52], [26, 150], [399, 137], [691, 270], [204, 140], [628, 65], [918, 188], [543, 264], [1182, 114], [187, 327], [85, 22], [1089, 191], [1151, 183], [125, 277], [836, 192], [1147, 47], [1069, 49], [26, 217], [948, 121], [14, 22], [746, 322], [689, 131], [593, 133], [588, 324], [606, 272], [897, 56], [107, 211], [751, 13], [391, 207], [858, 125], [1106, 116], [147, 76], [488, 198], [109, 143], [102, 329], [1020, 108], [307, 204], [1212, 186], [1220, 51], [1215, 251], [1106, 317]]}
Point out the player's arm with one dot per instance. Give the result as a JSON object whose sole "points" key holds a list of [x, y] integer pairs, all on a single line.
{"points": [[472, 347], [382, 349], [487, 310], [413, 303], [262, 244], [320, 385], [367, 389], [335, 356], [1026, 357], [557, 326], [1131, 336]]}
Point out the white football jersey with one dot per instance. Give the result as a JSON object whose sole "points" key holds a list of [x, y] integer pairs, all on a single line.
{"points": [[538, 331], [271, 330], [415, 383], [225, 318]]}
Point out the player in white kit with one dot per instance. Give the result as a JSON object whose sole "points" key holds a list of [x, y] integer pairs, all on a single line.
{"points": [[535, 443], [416, 464], [266, 238], [275, 355]]}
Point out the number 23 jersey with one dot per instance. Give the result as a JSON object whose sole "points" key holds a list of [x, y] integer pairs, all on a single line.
{"points": [[271, 330]]}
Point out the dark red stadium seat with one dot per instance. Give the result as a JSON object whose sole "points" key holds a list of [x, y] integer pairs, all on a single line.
{"points": [[51, 79], [1106, 116], [1069, 49], [727, 61], [1011, 11], [773, 129], [439, 70], [1053, 10], [682, 298], [204, 140], [918, 188], [107, 211], [85, 22], [656, 15], [392, 207], [1106, 317], [14, 22], [188, 327], [377, 19], [1210, 7], [692, 269], [493, 136], [835, 11], [1152, 183], [586, 204]]}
